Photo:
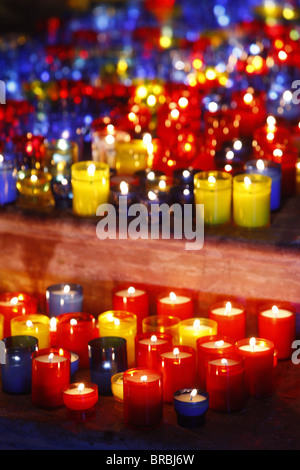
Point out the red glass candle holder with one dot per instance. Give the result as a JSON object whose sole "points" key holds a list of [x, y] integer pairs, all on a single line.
{"points": [[178, 366], [50, 374], [14, 304], [220, 127], [134, 300], [250, 110], [180, 306], [80, 396], [231, 319], [143, 398], [74, 331], [277, 323], [148, 347], [258, 354], [225, 383]]}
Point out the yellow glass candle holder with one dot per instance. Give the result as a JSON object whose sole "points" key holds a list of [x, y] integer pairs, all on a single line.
{"points": [[213, 189], [121, 324], [35, 189], [90, 185], [162, 324], [36, 325], [251, 200], [117, 386], [131, 156], [193, 328], [59, 156], [1, 326]]}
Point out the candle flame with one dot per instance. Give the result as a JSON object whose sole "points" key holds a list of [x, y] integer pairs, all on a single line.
{"points": [[224, 362], [144, 378], [271, 121], [260, 165], [277, 153], [151, 196], [33, 178], [196, 323], [228, 307], [185, 173], [124, 188], [275, 310], [14, 300], [173, 296], [50, 357], [153, 339], [151, 175], [91, 169], [73, 321], [193, 393], [131, 290], [53, 322], [80, 387], [29, 324], [248, 98], [175, 351], [219, 344], [117, 322], [252, 342], [211, 179], [247, 181], [67, 289], [162, 184]]}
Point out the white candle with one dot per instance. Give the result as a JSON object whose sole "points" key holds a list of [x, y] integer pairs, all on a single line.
{"points": [[54, 359], [79, 391], [277, 313], [175, 355], [149, 341], [224, 311], [130, 292], [223, 362], [186, 397], [254, 347], [216, 344], [175, 299]]}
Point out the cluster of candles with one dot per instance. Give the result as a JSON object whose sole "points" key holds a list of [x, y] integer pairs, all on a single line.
{"points": [[143, 360]]}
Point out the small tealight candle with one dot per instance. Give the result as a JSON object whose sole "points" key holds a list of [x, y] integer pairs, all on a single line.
{"points": [[180, 306], [277, 323], [193, 328], [132, 300], [117, 386], [36, 325], [190, 406], [14, 304], [162, 324], [258, 354], [143, 398], [178, 366], [251, 200], [148, 346], [273, 170], [90, 183], [213, 189], [64, 298], [80, 396], [230, 318]]}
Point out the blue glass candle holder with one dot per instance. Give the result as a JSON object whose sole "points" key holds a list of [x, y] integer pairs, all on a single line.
{"points": [[190, 406], [273, 170], [74, 364], [108, 356], [62, 191], [64, 298], [16, 367], [8, 179]]}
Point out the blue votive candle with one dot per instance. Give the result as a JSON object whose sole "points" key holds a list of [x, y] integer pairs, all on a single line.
{"points": [[16, 367], [74, 364], [273, 170], [8, 179], [64, 298], [191, 406]]}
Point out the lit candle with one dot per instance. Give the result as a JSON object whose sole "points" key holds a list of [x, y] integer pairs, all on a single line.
{"points": [[132, 300], [180, 306], [64, 298], [131, 156], [230, 318], [50, 373], [251, 200], [34, 188], [190, 406], [60, 154], [117, 386], [14, 304], [193, 328], [148, 346], [80, 396], [258, 357], [277, 323], [213, 189], [122, 324], [179, 370], [271, 169], [225, 384], [36, 325], [143, 398], [90, 183]]}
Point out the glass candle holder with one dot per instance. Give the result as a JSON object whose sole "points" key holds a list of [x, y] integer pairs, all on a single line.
{"points": [[36, 325], [271, 169], [34, 188], [104, 136], [50, 374], [162, 324], [230, 318], [180, 305], [117, 386], [121, 324], [193, 328], [80, 396], [64, 298], [213, 189], [148, 346], [90, 184], [1, 326], [59, 156], [225, 383], [74, 331], [74, 364], [8, 182], [107, 356], [17, 363], [61, 188], [251, 200], [131, 157], [190, 406], [14, 304], [143, 398], [132, 300]]}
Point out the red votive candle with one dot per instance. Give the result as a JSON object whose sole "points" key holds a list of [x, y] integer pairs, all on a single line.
{"points": [[80, 396], [180, 306], [143, 398], [209, 347], [14, 304], [278, 324], [258, 357], [231, 319], [74, 331], [50, 374], [225, 383], [148, 347], [178, 366], [132, 300]]}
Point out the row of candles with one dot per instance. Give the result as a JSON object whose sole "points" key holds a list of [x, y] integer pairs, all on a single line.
{"points": [[144, 361]]}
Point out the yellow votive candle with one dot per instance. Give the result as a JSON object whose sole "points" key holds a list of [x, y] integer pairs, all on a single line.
{"points": [[34, 189], [123, 325], [36, 325], [193, 328], [90, 184], [131, 156], [117, 386], [213, 189], [251, 200]]}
